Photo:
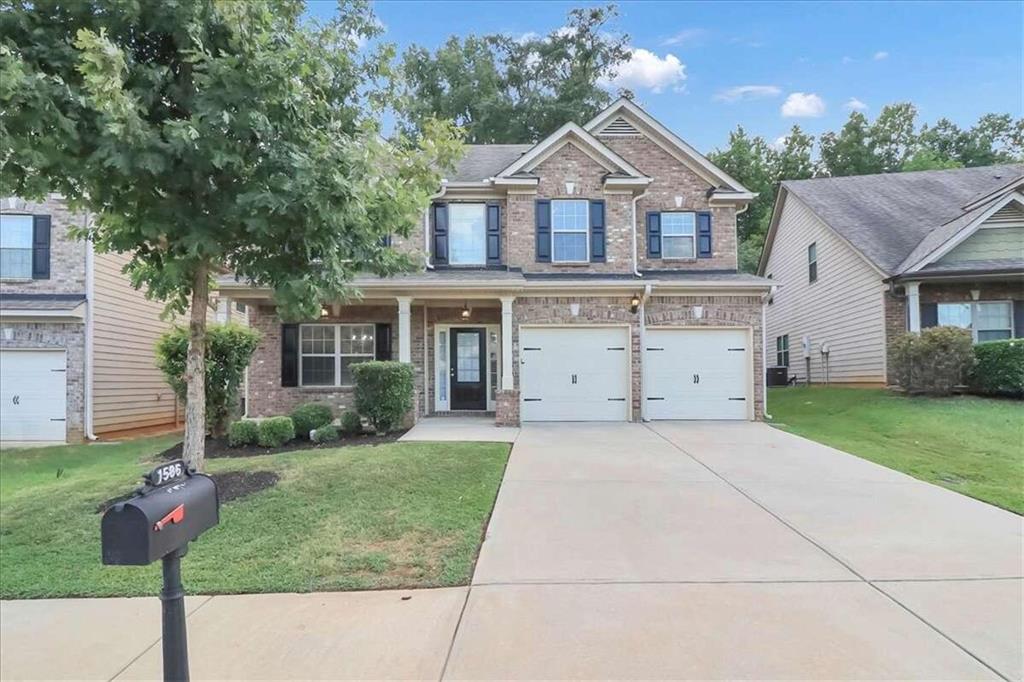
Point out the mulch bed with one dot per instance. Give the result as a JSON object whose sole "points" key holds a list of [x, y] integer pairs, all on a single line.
{"points": [[231, 485], [218, 447]]}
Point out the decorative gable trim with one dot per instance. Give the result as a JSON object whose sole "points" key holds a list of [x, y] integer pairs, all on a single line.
{"points": [[666, 139], [570, 133], [966, 232]]}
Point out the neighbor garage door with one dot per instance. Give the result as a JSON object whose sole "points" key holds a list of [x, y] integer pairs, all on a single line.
{"points": [[33, 395], [574, 373], [696, 373]]}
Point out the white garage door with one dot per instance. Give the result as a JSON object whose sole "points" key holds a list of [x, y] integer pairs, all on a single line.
{"points": [[696, 373], [33, 395], [574, 373]]}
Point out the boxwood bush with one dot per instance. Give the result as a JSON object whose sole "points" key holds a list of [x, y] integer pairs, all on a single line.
{"points": [[276, 431], [325, 434], [309, 416], [351, 423], [383, 392], [999, 368], [934, 361], [243, 432]]}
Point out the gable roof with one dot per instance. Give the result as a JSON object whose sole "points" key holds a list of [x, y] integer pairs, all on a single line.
{"points": [[583, 139], [482, 161], [886, 217]]}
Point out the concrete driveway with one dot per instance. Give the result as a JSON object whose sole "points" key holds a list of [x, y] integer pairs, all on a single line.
{"points": [[664, 551], [733, 550]]}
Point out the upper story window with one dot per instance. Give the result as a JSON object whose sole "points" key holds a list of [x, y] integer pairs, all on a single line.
{"points": [[467, 225], [570, 226], [328, 351], [812, 262], [678, 234], [16, 246]]}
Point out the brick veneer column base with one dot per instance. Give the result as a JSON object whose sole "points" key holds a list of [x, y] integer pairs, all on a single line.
{"points": [[507, 408]]}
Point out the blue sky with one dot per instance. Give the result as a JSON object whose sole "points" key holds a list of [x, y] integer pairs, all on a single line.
{"points": [[702, 68]]}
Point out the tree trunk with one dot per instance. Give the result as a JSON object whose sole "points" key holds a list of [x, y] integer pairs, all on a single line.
{"points": [[195, 372]]}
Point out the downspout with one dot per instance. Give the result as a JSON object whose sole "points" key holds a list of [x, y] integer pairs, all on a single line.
{"points": [[764, 353], [638, 197], [90, 294], [648, 288], [426, 224]]}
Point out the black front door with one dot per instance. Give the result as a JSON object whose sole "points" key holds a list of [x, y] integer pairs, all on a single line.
{"points": [[468, 376]]}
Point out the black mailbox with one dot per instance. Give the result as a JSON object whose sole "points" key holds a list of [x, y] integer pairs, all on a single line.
{"points": [[175, 507]]}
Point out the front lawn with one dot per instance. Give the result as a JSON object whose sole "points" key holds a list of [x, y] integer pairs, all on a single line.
{"points": [[974, 446], [393, 515]]}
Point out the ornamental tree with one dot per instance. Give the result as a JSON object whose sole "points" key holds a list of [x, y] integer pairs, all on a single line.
{"points": [[210, 136]]}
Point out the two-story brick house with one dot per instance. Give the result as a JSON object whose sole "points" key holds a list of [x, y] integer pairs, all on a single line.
{"points": [[76, 340], [590, 276]]}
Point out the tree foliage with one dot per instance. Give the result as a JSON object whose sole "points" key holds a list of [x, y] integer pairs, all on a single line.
{"points": [[503, 89]]}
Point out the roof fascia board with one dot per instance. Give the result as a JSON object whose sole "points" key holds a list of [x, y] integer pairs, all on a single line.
{"points": [[683, 151], [964, 232]]}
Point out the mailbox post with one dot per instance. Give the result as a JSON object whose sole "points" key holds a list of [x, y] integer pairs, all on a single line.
{"points": [[175, 506]]}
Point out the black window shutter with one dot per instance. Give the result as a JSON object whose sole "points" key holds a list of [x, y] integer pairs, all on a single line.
{"points": [[440, 221], [382, 341], [597, 231], [543, 212], [41, 247], [493, 234], [289, 355], [653, 234], [703, 235], [929, 315], [1018, 319]]}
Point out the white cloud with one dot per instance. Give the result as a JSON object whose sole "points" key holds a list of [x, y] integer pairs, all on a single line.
{"points": [[526, 37], [779, 142], [848, 59], [687, 36], [741, 92], [646, 70], [880, 55], [803, 105], [854, 104]]}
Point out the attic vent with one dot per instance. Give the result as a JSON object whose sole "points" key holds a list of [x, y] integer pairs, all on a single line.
{"points": [[620, 126]]}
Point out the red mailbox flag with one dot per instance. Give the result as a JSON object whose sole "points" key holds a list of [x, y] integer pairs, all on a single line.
{"points": [[176, 515]]}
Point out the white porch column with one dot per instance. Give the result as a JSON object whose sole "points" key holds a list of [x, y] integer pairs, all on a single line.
{"points": [[506, 343], [404, 329], [913, 306]]}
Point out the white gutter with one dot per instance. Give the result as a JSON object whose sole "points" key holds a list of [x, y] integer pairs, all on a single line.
{"points": [[90, 300], [648, 288], [638, 197], [426, 224]]}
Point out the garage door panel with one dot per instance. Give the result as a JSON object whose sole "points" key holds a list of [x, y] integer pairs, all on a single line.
{"points": [[574, 373], [696, 373], [33, 395]]}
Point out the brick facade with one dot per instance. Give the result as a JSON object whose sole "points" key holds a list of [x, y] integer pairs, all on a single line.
{"points": [[507, 410], [895, 311]]}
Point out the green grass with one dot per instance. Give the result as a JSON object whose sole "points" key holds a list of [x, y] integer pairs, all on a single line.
{"points": [[393, 515], [974, 446]]}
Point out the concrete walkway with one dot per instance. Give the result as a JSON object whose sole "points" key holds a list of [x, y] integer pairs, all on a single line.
{"points": [[675, 550]]}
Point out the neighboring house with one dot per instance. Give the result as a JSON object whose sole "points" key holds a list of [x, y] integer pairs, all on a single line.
{"points": [[590, 276], [76, 340], [862, 259]]}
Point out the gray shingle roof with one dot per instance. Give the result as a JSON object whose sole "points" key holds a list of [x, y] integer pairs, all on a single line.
{"points": [[887, 216], [56, 302], [482, 161]]}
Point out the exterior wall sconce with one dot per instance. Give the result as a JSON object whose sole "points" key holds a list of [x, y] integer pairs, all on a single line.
{"points": [[634, 304], [975, 294], [325, 311], [570, 188], [465, 312], [679, 202], [698, 312], [574, 309]]}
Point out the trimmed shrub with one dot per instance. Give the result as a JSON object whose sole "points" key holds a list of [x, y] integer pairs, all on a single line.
{"points": [[999, 368], [276, 431], [934, 361], [351, 423], [243, 432], [325, 434], [383, 392], [309, 416], [228, 350]]}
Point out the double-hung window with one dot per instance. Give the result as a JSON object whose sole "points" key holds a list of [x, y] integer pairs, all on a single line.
{"points": [[812, 262], [15, 247], [782, 351], [987, 320], [467, 230], [677, 235], [328, 352], [570, 226]]}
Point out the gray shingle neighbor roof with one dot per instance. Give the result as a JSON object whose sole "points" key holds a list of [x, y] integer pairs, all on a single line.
{"points": [[482, 161], [888, 216]]}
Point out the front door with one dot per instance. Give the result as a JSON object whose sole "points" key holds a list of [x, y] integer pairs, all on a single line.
{"points": [[468, 375]]}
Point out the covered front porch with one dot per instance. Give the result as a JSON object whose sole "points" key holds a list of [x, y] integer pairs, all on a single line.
{"points": [[990, 305]]}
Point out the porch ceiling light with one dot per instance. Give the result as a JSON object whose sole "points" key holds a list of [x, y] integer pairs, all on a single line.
{"points": [[465, 312], [634, 304], [325, 311]]}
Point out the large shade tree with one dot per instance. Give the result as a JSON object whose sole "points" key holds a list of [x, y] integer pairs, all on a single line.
{"points": [[208, 135]]}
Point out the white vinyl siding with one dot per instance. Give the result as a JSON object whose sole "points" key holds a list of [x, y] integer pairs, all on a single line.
{"points": [[842, 308]]}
